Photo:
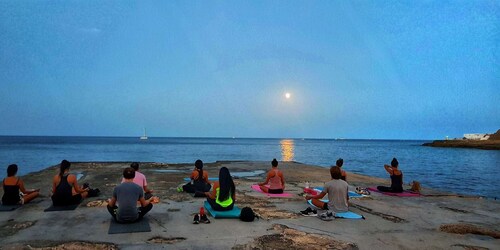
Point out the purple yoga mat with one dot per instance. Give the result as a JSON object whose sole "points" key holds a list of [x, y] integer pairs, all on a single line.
{"points": [[403, 194], [284, 194]]}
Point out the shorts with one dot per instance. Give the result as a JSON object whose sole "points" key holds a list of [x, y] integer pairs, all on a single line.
{"points": [[73, 200]]}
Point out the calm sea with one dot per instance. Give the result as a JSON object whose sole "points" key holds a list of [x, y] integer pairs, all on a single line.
{"points": [[466, 171]]}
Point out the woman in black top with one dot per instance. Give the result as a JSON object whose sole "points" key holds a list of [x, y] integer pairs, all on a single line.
{"points": [[11, 187], [65, 188], [396, 178]]}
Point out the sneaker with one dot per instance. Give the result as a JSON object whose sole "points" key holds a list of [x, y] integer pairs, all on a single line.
{"points": [[180, 189], [204, 219], [309, 212], [328, 216], [196, 219]]}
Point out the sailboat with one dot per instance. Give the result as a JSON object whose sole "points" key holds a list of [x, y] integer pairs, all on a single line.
{"points": [[144, 137]]}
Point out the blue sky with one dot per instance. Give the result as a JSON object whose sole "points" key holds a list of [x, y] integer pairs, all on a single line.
{"points": [[355, 69]]}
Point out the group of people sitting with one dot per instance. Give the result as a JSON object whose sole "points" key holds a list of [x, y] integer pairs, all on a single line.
{"points": [[220, 195]]}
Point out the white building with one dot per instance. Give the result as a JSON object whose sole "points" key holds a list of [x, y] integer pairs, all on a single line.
{"points": [[481, 137]]}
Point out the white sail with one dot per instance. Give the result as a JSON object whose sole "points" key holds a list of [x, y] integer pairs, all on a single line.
{"points": [[144, 137]]}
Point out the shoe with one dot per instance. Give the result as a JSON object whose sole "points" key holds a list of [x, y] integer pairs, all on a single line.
{"points": [[180, 189], [328, 216], [85, 185], [309, 212], [204, 219], [196, 219]]}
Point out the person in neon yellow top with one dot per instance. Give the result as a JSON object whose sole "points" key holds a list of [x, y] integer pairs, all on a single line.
{"points": [[222, 196]]}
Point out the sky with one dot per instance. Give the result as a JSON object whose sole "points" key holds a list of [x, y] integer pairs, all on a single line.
{"points": [[354, 69]]}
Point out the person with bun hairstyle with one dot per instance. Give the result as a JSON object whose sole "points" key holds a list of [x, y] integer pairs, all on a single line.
{"points": [[223, 194], [396, 178], [65, 188], [275, 179], [199, 181], [11, 187], [339, 164]]}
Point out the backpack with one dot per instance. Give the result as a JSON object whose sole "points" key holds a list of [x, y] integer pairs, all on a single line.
{"points": [[247, 214]]}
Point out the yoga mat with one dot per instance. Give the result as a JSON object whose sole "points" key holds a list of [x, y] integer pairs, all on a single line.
{"points": [[344, 215], [403, 194], [284, 194], [209, 178], [235, 213], [350, 193], [53, 208], [6, 208], [136, 227]]}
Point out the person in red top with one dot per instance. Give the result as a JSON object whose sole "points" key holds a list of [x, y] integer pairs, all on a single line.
{"points": [[275, 179], [199, 181]]}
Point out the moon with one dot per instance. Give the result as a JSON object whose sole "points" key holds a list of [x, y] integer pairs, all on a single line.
{"points": [[287, 95]]}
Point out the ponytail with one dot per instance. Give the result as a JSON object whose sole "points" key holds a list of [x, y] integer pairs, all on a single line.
{"points": [[63, 166]]}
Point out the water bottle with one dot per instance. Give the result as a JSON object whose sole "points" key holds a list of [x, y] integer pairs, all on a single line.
{"points": [[202, 211], [307, 184]]}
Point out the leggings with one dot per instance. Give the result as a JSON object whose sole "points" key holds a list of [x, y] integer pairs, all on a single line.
{"points": [[388, 189], [218, 207]]}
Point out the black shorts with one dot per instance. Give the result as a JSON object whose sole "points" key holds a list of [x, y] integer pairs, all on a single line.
{"points": [[275, 191]]}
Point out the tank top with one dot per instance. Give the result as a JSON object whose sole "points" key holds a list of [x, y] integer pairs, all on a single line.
{"points": [[11, 194], [225, 203], [397, 182], [275, 181], [63, 190]]}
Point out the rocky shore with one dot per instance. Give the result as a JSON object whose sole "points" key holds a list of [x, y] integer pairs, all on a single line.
{"points": [[435, 220], [493, 143]]}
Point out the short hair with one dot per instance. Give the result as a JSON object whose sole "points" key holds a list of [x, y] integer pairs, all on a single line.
{"points": [[274, 163], [128, 173], [335, 172], [11, 170], [135, 166], [394, 163], [339, 162]]}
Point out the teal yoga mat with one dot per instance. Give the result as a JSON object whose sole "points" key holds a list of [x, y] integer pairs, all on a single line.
{"points": [[209, 178], [350, 193], [235, 213], [344, 215]]}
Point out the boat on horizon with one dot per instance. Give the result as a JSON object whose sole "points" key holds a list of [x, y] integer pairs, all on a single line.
{"points": [[144, 137]]}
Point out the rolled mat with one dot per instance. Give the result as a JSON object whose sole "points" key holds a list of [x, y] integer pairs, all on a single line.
{"points": [[350, 193], [209, 178]]}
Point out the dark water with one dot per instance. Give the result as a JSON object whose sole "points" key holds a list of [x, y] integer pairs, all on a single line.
{"points": [[466, 171]]}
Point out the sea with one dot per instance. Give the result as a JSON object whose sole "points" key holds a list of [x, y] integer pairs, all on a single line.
{"points": [[463, 171]]}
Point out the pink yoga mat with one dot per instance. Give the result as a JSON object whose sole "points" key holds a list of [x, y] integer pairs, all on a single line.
{"points": [[284, 194], [403, 194]]}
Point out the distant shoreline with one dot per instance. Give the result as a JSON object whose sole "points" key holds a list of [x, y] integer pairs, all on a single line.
{"points": [[486, 145]]}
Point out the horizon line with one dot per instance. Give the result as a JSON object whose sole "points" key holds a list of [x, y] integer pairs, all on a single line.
{"points": [[221, 137]]}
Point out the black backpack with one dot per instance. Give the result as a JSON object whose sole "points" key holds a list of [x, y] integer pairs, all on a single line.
{"points": [[247, 214]]}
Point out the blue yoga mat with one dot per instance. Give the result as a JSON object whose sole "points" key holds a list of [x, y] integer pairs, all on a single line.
{"points": [[235, 213], [350, 193], [209, 178], [344, 215]]}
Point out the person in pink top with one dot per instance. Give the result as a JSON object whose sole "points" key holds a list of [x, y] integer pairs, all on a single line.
{"points": [[275, 179], [140, 179]]}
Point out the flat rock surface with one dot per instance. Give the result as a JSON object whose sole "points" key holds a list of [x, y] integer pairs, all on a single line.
{"points": [[436, 220]]}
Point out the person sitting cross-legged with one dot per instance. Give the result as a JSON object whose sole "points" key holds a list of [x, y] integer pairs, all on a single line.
{"points": [[126, 195]]}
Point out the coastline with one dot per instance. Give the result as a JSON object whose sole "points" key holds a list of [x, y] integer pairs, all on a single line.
{"points": [[487, 144], [391, 222]]}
